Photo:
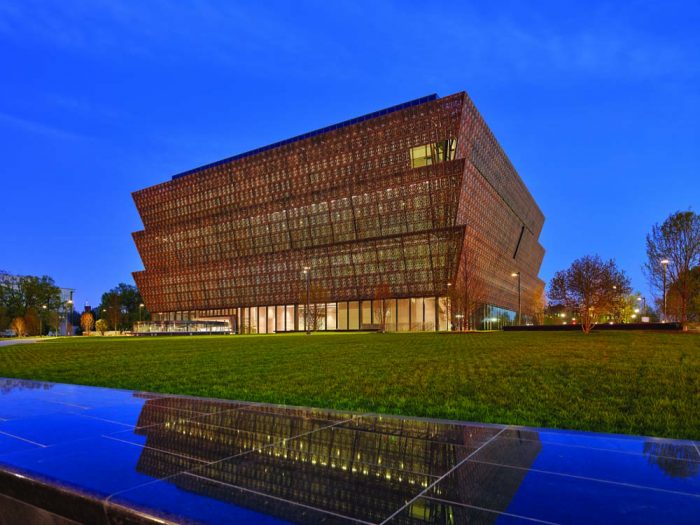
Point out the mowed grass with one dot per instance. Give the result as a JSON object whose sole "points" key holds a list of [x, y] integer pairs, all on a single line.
{"points": [[625, 382]]}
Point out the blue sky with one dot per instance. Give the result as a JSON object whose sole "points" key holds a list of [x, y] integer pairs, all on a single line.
{"points": [[596, 104]]}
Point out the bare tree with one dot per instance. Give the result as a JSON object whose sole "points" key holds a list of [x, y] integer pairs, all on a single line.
{"points": [[591, 288], [538, 305], [468, 292], [381, 293], [677, 241], [87, 322], [318, 297]]}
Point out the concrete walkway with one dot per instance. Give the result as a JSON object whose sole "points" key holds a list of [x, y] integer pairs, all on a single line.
{"points": [[8, 342]]}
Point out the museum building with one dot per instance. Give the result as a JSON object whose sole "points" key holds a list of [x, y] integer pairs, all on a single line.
{"points": [[406, 219]]}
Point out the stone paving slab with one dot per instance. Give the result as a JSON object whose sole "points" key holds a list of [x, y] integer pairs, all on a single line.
{"points": [[96, 455]]}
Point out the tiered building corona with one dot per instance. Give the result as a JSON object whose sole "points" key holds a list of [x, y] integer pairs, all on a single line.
{"points": [[410, 218]]}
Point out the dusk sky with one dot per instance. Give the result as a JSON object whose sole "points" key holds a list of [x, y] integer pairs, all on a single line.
{"points": [[596, 104]]}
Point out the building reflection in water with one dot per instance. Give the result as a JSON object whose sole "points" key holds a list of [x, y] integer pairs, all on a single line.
{"points": [[676, 461], [366, 468], [11, 386]]}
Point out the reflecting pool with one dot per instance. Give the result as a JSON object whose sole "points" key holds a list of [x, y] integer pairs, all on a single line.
{"points": [[97, 455]]}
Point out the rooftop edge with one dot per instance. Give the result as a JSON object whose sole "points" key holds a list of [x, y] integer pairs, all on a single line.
{"points": [[368, 116]]}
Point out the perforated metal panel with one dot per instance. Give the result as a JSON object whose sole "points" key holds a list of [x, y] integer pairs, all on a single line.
{"points": [[346, 202]]}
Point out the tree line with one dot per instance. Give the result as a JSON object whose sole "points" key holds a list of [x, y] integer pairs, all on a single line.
{"points": [[30, 305], [33, 305], [593, 289], [120, 309]]}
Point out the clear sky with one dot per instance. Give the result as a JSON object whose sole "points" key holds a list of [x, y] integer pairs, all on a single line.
{"points": [[596, 104]]}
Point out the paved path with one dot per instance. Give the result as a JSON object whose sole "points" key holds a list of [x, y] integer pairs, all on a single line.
{"points": [[8, 342]]}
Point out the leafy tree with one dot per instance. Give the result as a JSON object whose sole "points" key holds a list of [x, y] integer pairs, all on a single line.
{"points": [[31, 321], [674, 300], [591, 288], [556, 314], [113, 309], [19, 294], [53, 321], [627, 309], [101, 325], [122, 305], [694, 306], [87, 322], [678, 241], [5, 318], [19, 326]]}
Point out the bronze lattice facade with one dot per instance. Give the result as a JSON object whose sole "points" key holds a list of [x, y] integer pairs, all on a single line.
{"points": [[412, 214]]}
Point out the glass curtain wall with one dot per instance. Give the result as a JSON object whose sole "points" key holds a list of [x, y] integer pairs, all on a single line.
{"points": [[401, 315]]}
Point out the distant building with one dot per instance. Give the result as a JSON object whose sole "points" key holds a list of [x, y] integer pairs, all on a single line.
{"points": [[393, 213]]}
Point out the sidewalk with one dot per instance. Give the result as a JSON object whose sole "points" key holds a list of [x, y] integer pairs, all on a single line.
{"points": [[8, 342]]}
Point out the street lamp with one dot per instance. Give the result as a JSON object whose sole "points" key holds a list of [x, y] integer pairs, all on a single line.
{"points": [[664, 264], [517, 274], [41, 320], [307, 274], [449, 319], [459, 321], [69, 312], [141, 311]]}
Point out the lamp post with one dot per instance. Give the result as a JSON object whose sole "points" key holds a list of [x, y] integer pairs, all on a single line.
{"points": [[449, 300], [141, 305], [307, 274], [459, 318], [69, 312], [41, 320], [517, 274], [664, 264]]}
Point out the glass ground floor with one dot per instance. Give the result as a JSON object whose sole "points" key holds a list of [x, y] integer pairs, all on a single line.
{"points": [[413, 314]]}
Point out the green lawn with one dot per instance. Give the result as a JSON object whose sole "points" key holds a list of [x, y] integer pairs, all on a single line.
{"points": [[639, 383]]}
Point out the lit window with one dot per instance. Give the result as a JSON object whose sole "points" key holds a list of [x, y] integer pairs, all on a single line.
{"points": [[445, 150], [428, 154], [421, 156]]}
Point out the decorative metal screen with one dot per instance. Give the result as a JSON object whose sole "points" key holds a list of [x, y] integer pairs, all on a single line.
{"points": [[386, 202]]}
